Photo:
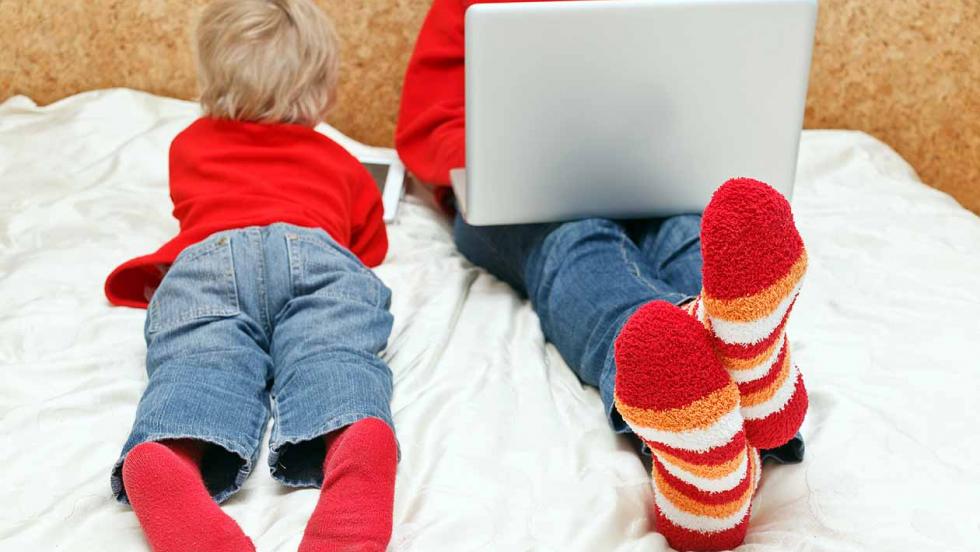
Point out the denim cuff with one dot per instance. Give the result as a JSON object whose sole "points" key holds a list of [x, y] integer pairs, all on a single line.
{"points": [[224, 467], [298, 461], [324, 393]]}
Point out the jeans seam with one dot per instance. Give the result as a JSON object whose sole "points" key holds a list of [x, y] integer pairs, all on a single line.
{"points": [[260, 278], [675, 254], [634, 268], [274, 435]]}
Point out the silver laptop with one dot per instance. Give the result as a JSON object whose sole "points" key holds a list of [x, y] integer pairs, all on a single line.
{"points": [[628, 108]]}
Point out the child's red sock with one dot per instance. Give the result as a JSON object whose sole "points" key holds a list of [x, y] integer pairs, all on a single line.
{"points": [[355, 508], [754, 263], [673, 392], [164, 485]]}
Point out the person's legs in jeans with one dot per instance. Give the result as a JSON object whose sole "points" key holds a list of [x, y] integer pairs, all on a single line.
{"points": [[332, 391], [672, 247], [200, 421], [584, 278]]}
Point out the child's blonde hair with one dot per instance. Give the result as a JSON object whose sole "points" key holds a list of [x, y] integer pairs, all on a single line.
{"points": [[272, 61]]}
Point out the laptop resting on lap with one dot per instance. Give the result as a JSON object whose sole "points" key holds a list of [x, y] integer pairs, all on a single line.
{"points": [[628, 108]]}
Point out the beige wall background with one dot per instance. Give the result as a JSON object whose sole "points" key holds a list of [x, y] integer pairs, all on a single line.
{"points": [[906, 71]]}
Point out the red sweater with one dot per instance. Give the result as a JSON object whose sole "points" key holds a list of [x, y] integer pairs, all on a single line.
{"points": [[431, 135], [227, 174]]}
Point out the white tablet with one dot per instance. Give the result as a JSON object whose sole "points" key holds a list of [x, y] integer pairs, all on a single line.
{"points": [[389, 174]]}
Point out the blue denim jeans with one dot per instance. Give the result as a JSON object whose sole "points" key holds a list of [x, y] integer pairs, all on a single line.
{"points": [[276, 320], [585, 278]]}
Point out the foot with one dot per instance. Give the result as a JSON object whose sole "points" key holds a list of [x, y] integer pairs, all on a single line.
{"points": [[754, 263], [673, 392], [164, 485], [355, 507]]}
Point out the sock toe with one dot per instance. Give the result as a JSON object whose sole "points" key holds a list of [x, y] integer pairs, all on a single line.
{"points": [[749, 240], [657, 339], [670, 385]]}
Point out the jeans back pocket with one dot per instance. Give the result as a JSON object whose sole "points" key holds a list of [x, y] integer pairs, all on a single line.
{"points": [[200, 284], [320, 266]]}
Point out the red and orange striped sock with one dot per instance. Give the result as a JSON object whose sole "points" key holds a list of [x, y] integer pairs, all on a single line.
{"points": [[754, 263], [673, 392]]}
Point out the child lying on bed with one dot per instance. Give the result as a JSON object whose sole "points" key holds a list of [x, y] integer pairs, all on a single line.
{"points": [[688, 353], [264, 294]]}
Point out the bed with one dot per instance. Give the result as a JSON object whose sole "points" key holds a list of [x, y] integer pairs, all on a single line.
{"points": [[503, 449]]}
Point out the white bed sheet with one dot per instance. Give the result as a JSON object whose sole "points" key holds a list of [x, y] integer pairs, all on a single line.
{"points": [[503, 449]]}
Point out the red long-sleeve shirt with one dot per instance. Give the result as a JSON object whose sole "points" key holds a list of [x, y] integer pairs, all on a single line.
{"points": [[431, 132], [430, 137], [229, 174]]}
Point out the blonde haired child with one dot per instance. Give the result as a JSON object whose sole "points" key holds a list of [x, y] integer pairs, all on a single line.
{"points": [[262, 306], [266, 60]]}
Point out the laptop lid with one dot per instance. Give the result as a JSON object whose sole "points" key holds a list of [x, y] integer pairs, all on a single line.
{"points": [[629, 108]]}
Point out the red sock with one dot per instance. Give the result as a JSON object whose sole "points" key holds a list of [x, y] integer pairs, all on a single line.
{"points": [[754, 263], [175, 510], [355, 507], [673, 392]]}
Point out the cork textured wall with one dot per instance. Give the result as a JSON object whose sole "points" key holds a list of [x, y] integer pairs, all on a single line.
{"points": [[908, 72], [904, 70]]}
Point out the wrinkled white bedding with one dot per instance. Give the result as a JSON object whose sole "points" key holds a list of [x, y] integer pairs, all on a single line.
{"points": [[503, 449]]}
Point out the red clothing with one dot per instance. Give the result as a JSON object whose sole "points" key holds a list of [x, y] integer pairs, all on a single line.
{"points": [[229, 174], [431, 134]]}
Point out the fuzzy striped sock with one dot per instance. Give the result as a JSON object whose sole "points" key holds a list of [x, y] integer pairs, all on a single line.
{"points": [[673, 392], [754, 263]]}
